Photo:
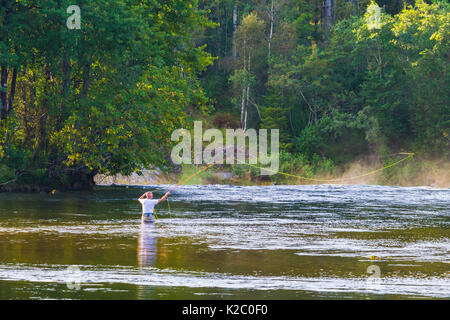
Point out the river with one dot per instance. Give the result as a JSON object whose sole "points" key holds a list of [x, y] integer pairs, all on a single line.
{"points": [[228, 242]]}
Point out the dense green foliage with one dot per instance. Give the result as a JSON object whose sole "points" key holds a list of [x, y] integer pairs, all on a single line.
{"points": [[339, 81], [332, 84], [100, 99]]}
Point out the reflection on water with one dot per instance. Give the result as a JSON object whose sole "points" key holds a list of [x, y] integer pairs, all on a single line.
{"points": [[285, 242], [147, 244]]}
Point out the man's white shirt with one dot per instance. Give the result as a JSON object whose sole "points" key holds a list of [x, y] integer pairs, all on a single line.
{"points": [[148, 205]]}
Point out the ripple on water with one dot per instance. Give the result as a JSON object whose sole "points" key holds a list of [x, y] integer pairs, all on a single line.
{"points": [[424, 286]]}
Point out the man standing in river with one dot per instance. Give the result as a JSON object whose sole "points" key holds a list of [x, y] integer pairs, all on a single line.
{"points": [[148, 205]]}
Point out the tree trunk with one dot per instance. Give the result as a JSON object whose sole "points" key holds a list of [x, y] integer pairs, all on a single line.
{"points": [[248, 90], [86, 79], [4, 69], [3, 92], [42, 122], [327, 14], [246, 107], [334, 11], [243, 109], [12, 91], [66, 69], [234, 30], [271, 25], [66, 73], [356, 6], [25, 86], [316, 20]]}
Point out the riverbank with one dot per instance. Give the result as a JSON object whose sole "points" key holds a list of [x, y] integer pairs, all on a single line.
{"points": [[431, 173], [293, 170]]}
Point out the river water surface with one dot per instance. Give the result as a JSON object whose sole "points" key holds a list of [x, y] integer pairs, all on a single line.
{"points": [[228, 242]]}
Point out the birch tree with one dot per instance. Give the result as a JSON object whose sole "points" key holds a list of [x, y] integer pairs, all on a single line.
{"points": [[250, 37]]}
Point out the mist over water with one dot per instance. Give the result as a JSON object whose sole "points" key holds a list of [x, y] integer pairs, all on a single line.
{"points": [[228, 242]]}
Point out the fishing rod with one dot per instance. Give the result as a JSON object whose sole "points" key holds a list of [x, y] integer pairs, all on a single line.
{"points": [[180, 184], [191, 176]]}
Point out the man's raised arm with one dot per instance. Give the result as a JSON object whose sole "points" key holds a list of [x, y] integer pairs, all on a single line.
{"points": [[164, 197], [143, 196]]}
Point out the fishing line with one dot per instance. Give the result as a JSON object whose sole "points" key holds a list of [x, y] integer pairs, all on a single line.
{"points": [[168, 206], [185, 180], [409, 155], [334, 180]]}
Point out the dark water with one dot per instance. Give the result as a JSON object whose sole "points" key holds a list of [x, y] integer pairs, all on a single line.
{"points": [[287, 242]]}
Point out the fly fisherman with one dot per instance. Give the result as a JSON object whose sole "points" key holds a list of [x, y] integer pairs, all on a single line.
{"points": [[148, 205]]}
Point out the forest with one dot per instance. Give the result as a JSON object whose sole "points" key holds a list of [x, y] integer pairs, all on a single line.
{"points": [[343, 81]]}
